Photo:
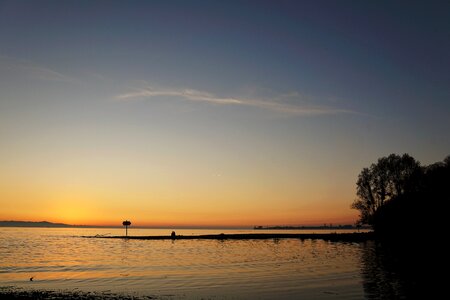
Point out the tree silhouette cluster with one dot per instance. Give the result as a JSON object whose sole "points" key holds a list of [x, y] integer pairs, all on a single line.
{"points": [[397, 194]]}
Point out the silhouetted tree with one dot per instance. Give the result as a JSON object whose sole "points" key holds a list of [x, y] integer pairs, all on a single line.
{"points": [[389, 178], [396, 195], [126, 224], [407, 206]]}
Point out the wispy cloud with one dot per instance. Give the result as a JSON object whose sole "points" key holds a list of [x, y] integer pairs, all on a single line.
{"points": [[275, 104], [32, 70]]}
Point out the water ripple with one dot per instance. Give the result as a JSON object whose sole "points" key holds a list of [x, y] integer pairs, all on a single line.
{"points": [[263, 269]]}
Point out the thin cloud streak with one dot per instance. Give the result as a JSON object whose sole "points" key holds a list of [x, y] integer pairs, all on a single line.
{"points": [[274, 105], [33, 70]]}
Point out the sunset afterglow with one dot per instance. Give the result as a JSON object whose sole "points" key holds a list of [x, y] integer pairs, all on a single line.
{"points": [[205, 113]]}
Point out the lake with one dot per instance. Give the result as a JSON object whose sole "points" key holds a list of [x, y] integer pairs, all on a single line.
{"points": [[61, 259]]}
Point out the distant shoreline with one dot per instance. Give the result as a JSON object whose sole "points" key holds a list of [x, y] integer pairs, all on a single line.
{"points": [[350, 237], [46, 224], [323, 227]]}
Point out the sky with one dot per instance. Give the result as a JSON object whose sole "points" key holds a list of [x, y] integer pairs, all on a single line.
{"points": [[213, 113]]}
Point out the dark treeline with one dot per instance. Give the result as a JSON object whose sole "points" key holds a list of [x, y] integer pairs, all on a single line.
{"points": [[406, 205], [400, 198]]}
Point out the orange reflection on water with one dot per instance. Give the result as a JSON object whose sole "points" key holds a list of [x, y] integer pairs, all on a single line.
{"points": [[285, 268]]}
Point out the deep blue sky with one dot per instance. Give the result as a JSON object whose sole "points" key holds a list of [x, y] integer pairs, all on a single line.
{"points": [[305, 92]]}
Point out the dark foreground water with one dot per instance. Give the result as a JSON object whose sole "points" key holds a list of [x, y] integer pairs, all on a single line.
{"points": [[60, 259]]}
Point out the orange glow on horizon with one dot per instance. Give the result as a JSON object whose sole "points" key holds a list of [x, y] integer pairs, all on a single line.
{"points": [[74, 217], [105, 195]]}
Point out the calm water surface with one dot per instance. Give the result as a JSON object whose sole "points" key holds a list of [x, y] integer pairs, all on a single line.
{"points": [[262, 269]]}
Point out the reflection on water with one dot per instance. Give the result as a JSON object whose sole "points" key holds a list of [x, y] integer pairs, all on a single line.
{"points": [[263, 269], [381, 275], [398, 272]]}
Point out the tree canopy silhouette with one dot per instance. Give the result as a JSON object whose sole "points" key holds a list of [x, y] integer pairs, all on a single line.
{"points": [[389, 178], [396, 193], [406, 206]]}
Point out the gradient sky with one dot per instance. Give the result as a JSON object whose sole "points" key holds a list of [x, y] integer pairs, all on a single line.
{"points": [[213, 112]]}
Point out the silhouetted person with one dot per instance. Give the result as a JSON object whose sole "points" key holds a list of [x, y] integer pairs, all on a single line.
{"points": [[31, 278], [173, 234]]}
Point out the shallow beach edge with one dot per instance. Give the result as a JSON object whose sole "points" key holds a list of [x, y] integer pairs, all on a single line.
{"points": [[350, 237], [18, 293]]}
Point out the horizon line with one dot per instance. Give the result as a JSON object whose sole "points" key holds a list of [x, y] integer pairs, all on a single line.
{"points": [[187, 226]]}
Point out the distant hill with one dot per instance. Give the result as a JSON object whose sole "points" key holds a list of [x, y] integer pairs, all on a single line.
{"points": [[33, 224], [48, 224]]}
